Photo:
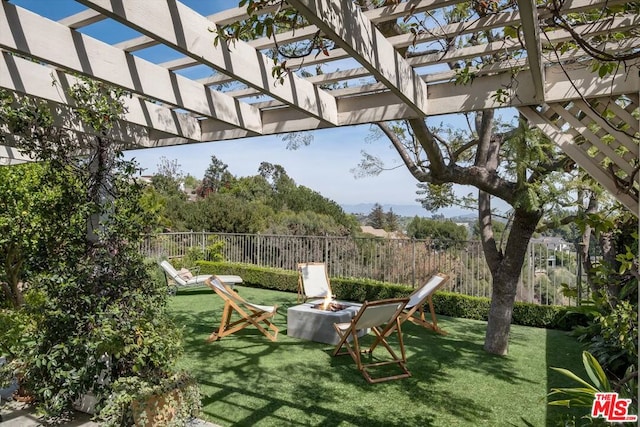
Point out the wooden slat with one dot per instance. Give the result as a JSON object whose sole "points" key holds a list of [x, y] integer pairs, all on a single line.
{"points": [[82, 19], [530, 29], [42, 39], [621, 137], [593, 168], [11, 156], [30, 78], [188, 32], [579, 128]]}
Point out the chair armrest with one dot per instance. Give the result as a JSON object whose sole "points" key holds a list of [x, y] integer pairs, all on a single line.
{"points": [[194, 270]]}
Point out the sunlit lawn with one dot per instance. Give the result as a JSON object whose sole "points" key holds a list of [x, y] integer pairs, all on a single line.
{"points": [[246, 379]]}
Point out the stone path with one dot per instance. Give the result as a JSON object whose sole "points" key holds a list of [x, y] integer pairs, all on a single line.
{"points": [[15, 414]]}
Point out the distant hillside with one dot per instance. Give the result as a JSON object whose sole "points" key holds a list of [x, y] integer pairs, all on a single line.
{"points": [[407, 210]]}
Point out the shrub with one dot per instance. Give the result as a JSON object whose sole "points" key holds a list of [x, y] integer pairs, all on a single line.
{"points": [[446, 303]]}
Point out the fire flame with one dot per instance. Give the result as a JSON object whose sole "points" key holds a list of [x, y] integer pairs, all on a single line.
{"points": [[327, 302]]}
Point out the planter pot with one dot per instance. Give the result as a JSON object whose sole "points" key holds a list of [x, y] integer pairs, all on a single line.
{"points": [[157, 410]]}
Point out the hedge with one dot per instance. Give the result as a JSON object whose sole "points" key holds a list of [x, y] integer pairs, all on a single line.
{"points": [[445, 303]]}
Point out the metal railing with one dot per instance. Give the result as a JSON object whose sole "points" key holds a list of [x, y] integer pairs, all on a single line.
{"points": [[402, 261]]}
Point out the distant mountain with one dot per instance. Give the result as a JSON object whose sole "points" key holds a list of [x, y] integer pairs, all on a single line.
{"points": [[405, 210]]}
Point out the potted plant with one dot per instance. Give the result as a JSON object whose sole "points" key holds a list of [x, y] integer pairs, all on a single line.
{"points": [[171, 401]]}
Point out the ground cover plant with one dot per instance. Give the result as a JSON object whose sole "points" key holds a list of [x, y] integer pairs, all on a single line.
{"points": [[247, 380]]}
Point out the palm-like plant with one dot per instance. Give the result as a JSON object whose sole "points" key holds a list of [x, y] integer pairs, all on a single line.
{"points": [[584, 396]]}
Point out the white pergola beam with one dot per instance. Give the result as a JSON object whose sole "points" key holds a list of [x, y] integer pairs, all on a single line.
{"points": [[450, 98], [347, 26], [40, 38], [122, 131], [11, 156], [566, 143], [189, 33], [82, 19], [578, 128], [33, 79], [530, 30]]}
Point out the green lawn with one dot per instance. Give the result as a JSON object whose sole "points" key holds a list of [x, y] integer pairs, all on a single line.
{"points": [[246, 379]]}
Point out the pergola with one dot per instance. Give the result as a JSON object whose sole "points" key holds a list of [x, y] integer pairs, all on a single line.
{"points": [[374, 78]]}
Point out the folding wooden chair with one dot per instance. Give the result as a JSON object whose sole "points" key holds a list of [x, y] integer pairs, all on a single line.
{"points": [[313, 281], [251, 314], [414, 311], [381, 317]]}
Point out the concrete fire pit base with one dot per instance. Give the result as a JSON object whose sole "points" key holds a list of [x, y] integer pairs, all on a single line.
{"points": [[306, 322]]}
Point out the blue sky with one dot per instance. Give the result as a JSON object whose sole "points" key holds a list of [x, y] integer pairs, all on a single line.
{"points": [[324, 166]]}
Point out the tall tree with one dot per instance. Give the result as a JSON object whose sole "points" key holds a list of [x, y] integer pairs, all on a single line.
{"points": [[391, 221], [376, 217], [515, 170], [215, 177]]}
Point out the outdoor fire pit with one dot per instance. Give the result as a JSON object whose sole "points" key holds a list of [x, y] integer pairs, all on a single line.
{"points": [[314, 320]]}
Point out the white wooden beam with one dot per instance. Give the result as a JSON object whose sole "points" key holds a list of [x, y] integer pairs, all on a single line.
{"points": [[11, 156], [531, 31], [82, 19], [38, 37], [33, 79], [126, 133], [449, 98], [189, 33], [229, 16], [566, 143], [568, 83], [346, 25], [136, 44]]}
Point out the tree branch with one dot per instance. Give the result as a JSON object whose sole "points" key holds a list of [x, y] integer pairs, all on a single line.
{"points": [[492, 255], [414, 169]]}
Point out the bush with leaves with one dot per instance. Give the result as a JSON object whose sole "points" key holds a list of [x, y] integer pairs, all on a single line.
{"points": [[98, 316], [612, 334]]}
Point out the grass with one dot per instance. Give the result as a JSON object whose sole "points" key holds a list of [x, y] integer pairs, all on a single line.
{"points": [[246, 379]]}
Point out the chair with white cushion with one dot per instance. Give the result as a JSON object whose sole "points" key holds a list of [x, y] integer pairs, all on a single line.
{"points": [[199, 280]]}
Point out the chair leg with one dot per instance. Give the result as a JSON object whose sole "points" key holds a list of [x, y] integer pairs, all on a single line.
{"points": [[224, 323]]}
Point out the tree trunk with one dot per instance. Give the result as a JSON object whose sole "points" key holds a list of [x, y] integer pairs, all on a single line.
{"points": [[506, 273]]}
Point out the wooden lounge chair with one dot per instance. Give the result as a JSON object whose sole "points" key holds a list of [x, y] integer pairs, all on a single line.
{"points": [[250, 314], [381, 317], [313, 281], [174, 275], [414, 311]]}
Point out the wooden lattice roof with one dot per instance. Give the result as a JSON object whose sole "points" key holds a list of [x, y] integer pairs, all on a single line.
{"points": [[213, 91]]}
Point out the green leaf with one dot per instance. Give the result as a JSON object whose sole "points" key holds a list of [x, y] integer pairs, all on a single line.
{"points": [[569, 374], [595, 372]]}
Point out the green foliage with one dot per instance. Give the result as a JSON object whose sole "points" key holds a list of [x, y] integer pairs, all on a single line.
{"points": [[382, 220], [583, 396], [305, 223], [446, 232], [216, 177], [376, 217], [93, 311], [34, 222], [269, 202], [222, 212], [612, 334], [133, 395], [437, 196], [353, 289], [215, 249]]}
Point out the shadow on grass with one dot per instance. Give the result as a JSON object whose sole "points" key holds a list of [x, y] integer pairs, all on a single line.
{"points": [[568, 358], [248, 380]]}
